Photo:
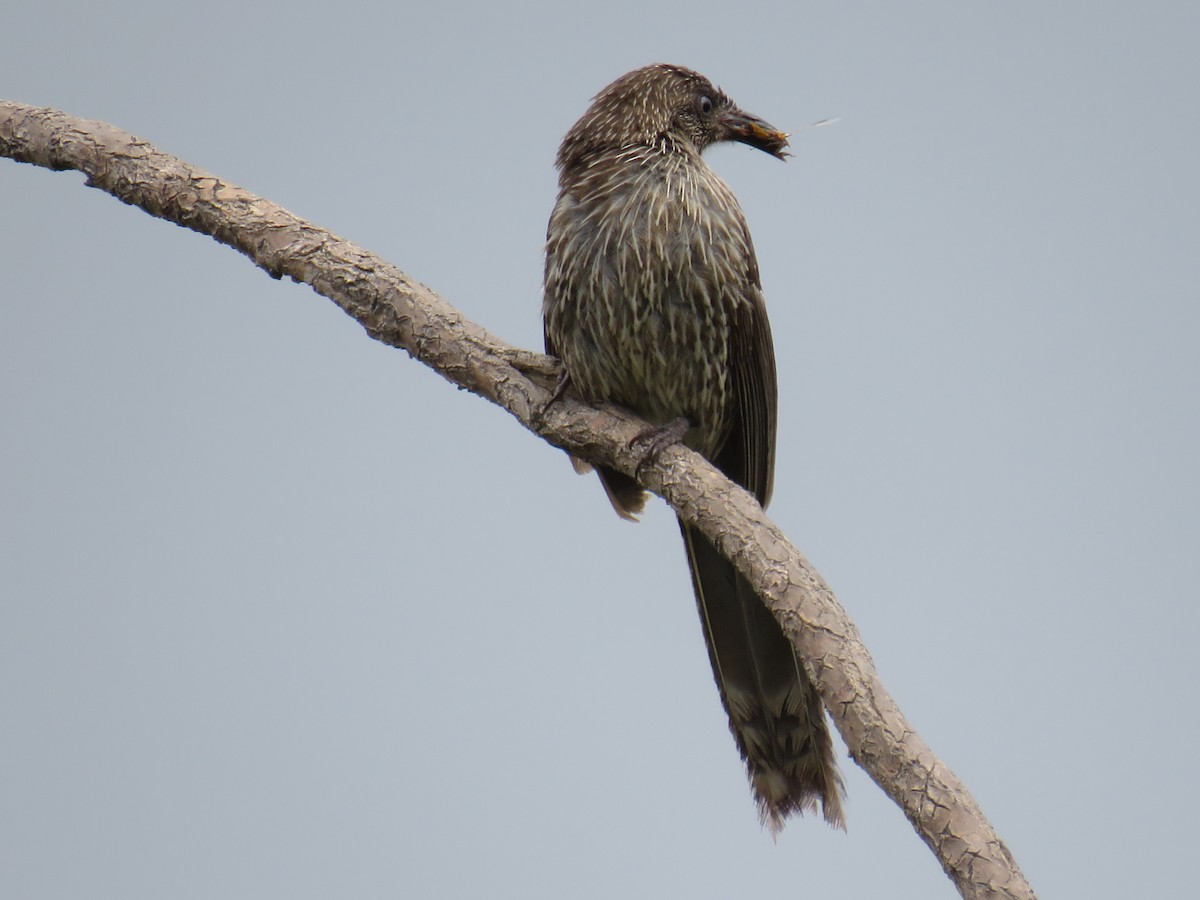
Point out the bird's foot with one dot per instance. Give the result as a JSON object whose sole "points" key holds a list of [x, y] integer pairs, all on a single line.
{"points": [[560, 388], [657, 439]]}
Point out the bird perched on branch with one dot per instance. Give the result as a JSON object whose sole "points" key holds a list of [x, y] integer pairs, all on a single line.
{"points": [[653, 302]]}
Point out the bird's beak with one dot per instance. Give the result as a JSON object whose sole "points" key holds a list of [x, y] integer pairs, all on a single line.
{"points": [[748, 129]]}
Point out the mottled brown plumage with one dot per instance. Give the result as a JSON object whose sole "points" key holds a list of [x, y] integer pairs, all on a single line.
{"points": [[653, 302]]}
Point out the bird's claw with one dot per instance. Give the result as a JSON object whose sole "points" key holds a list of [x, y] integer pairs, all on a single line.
{"points": [[657, 439], [560, 388]]}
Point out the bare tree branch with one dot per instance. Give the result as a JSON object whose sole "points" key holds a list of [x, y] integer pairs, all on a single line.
{"points": [[398, 311]]}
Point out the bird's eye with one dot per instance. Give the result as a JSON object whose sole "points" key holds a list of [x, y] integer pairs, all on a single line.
{"points": [[704, 104]]}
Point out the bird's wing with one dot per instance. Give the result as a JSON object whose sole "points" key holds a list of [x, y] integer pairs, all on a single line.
{"points": [[748, 456]]}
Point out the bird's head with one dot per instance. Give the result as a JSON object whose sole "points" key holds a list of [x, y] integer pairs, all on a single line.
{"points": [[665, 103]]}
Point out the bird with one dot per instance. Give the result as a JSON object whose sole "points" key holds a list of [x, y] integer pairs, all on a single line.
{"points": [[652, 301]]}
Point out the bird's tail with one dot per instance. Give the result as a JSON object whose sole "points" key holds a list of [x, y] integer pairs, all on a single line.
{"points": [[774, 712]]}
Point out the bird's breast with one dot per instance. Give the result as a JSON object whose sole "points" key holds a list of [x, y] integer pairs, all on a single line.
{"points": [[646, 266]]}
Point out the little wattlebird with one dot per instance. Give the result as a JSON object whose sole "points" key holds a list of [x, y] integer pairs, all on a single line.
{"points": [[652, 301]]}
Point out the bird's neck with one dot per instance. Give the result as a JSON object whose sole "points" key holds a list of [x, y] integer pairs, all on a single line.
{"points": [[664, 152]]}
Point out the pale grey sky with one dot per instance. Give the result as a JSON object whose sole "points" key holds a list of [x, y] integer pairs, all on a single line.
{"points": [[282, 614]]}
